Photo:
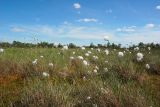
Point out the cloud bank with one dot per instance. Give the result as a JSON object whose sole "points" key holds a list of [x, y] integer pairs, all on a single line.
{"points": [[122, 35]]}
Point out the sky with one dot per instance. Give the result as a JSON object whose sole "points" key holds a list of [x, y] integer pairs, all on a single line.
{"points": [[80, 21]]}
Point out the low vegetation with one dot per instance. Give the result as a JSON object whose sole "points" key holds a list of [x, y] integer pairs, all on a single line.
{"points": [[69, 77]]}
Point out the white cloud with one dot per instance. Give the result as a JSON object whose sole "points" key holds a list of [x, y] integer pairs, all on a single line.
{"points": [[88, 20], [76, 5], [94, 33], [150, 25], [88, 33], [47, 30], [66, 23], [126, 29], [144, 36], [17, 29], [158, 7]]}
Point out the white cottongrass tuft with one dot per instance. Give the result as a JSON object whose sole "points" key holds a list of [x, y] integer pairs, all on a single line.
{"points": [[106, 61], [136, 48], [41, 56], [45, 74], [95, 70], [80, 57], [147, 66], [86, 54], [91, 48], [89, 72], [106, 51], [88, 98], [73, 52], [95, 57], [98, 50], [149, 48], [50, 64], [84, 78], [1, 50], [139, 57], [96, 67], [71, 58], [120, 54], [89, 52], [65, 47], [83, 48], [34, 62], [106, 69], [85, 62]]}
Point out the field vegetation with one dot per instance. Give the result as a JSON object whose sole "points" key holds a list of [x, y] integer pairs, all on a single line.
{"points": [[65, 76]]}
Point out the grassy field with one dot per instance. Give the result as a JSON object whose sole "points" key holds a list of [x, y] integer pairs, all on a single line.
{"points": [[52, 77]]}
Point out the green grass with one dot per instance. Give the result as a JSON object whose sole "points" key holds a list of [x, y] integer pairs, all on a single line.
{"points": [[127, 83]]}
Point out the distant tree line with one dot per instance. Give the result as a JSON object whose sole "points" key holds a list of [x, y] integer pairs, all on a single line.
{"points": [[30, 45], [142, 45], [71, 45]]}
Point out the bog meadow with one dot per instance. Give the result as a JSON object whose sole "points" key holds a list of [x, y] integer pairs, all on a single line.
{"points": [[69, 76]]}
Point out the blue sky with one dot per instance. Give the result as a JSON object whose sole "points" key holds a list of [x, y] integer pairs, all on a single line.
{"points": [[80, 21]]}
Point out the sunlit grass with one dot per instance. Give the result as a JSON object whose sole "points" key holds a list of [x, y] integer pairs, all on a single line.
{"points": [[71, 83]]}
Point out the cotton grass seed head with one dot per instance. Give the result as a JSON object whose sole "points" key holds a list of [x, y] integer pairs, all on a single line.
{"points": [[1, 50], [139, 57], [149, 48], [95, 71], [71, 58], [106, 61], [95, 57], [114, 49], [84, 78], [88, 98], [136, 48], [85, 62], [86, 54], [147, 66], [34, 62], [89, 52], [80, 57], [96, 67], [98, 50], [106, 51], [120, 54], [83, 48], [50, 64], [45, 74], [106, 69]]}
